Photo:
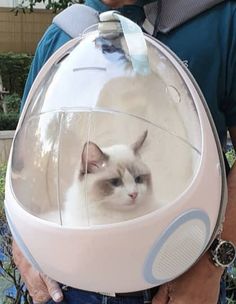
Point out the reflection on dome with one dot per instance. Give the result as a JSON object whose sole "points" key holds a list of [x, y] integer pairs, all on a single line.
{"points": [[64, 116]]}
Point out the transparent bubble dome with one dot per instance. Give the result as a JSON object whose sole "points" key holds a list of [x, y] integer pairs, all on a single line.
{"points": [[99, 143], [115, 168]]}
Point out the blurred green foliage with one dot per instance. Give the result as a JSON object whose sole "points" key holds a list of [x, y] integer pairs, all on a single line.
{"points": [[8, 121], [230, 155], [53, 5], [14, 69]]}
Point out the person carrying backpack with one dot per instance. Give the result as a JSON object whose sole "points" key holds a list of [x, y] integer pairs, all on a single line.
{"points": [[203, 35]]}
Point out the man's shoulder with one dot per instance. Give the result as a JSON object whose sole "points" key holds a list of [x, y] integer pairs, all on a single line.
{"points": [[52, 40], [220, 15], [54, 34], [210, 28]]}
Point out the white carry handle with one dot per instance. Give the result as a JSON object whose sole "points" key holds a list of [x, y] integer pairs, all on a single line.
{"points": [[133, 36]]}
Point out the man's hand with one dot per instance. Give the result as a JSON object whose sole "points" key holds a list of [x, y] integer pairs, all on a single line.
{"points": [[41, 288], [200, 284]]}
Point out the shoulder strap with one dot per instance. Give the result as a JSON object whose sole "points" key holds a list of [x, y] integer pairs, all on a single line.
{"points": [[166, 15], [169, 14], [75, 19]]}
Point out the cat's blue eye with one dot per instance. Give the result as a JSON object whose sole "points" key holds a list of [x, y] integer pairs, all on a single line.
{"points": [[116, 182], [138, 179]]}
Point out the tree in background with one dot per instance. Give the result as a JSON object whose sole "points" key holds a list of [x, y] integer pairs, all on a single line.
{"points": [[14, 69], [54, 5]]}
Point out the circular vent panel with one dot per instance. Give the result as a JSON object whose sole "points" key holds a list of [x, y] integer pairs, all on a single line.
{"points": [[178, 248]]}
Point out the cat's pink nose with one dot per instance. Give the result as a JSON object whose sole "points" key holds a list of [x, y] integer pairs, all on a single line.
{"points": [[133, 195]]}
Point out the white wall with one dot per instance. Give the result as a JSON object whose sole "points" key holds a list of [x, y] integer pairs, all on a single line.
{"points": [[7, 3]]}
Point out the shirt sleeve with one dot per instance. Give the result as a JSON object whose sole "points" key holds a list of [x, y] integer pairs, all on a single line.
{"points": [[53, 39], [230, 113]]}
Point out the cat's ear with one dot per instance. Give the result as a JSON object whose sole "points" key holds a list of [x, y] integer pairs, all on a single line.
{"points": [[139, 142], [92, 158]]}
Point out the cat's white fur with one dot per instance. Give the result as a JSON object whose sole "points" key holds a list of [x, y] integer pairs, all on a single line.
{"points": [[85, 206]]}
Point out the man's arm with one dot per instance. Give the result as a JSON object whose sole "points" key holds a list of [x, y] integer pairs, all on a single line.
{"points": [[41, 288]]}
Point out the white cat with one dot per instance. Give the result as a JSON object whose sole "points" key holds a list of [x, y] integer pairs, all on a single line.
{"points": [[112, 185]]}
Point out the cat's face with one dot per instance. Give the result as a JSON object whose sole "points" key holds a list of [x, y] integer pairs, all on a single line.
{"points": [[116, 176]]}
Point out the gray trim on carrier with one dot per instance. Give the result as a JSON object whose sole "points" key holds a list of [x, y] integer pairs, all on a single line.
{"points": [[165, 15], [76, 19]]}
